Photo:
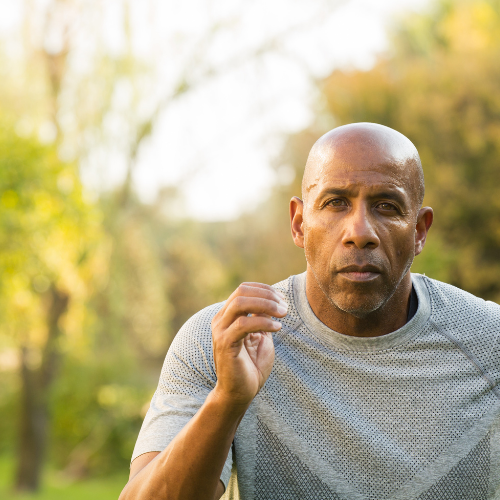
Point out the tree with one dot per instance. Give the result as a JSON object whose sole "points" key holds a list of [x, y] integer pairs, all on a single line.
{"points": [[46, 229]]}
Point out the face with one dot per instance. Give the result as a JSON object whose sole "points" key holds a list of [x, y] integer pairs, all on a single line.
{"points": [[359, 226]]}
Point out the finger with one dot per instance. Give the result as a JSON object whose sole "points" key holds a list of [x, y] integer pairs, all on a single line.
{"points": [[250, 324], [257, 290], [267, 287], [243, 306], [249, 290], [262, 285]]}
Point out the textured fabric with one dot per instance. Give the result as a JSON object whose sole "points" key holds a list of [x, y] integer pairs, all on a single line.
{"points": [[411, 415]]}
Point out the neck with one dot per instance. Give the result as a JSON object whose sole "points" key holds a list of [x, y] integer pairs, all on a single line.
{"points": [[389, 317]]}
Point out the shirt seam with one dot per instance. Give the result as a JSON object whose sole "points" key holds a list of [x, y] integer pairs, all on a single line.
{"points": [[470, 357], [460, 345]]}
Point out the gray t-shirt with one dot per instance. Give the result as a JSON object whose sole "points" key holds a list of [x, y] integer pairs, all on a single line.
{"points": [[414, 414]]}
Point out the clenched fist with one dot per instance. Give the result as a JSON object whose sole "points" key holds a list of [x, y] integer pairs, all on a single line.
{"points": [[242, 340]]}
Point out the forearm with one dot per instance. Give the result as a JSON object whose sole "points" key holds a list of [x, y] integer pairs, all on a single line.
{"points": [[190, 467]]}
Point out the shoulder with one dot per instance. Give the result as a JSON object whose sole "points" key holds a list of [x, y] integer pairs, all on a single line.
{"points": [[199, 324], [196, 333], [473, 323], [452, 304], [190, 356], [285, 286]]}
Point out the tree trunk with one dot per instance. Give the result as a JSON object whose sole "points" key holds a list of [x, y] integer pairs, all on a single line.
{"points": [[35, 389]]}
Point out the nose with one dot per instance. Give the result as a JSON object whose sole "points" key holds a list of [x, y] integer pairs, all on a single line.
{"points": [[359, 230]]}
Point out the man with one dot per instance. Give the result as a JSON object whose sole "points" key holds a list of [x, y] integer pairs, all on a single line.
{"points": [[355, 380]]}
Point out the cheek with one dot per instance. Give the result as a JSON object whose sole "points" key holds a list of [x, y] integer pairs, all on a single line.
{"points": [[315, 238], [405, 246], [398, 240], [310, 247]]}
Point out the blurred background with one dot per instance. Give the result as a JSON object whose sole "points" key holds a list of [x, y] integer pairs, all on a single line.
{"points": [[148, 151]]}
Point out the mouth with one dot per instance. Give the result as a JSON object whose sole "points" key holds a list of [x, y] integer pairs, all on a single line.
{"points": [[360, 273]]}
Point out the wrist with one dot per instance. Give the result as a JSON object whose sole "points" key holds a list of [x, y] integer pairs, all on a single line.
{"points": [[228, 403]]}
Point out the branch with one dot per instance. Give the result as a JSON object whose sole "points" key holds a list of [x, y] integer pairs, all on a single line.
{"points": [[187, 83]]}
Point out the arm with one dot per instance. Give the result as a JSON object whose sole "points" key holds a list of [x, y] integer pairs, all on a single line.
{"points": [[143, 460], [190, 467], [194, 459]]}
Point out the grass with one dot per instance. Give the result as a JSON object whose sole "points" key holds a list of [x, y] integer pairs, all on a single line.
{"points": [[54, 487]]}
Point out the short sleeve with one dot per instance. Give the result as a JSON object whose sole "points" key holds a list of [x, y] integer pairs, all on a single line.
{"points": [[187, 377]]}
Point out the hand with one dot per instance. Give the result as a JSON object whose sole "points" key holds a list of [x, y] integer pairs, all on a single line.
{"points": [[243, 344]]}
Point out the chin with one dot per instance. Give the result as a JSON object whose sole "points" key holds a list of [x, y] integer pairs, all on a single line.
{"points": [[358, 313], [359, 308]]}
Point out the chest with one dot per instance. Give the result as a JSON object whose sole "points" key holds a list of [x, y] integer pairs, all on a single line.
{"points": [[411, 424]]}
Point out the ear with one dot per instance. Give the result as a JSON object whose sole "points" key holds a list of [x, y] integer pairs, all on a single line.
{"points": [[296, 221], [424, 222]]}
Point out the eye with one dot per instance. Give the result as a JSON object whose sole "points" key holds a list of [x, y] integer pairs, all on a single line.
{"points": [[386, 206], [337, 202]]}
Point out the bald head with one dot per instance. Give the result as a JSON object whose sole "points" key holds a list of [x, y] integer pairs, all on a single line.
{"points": [[367, 145]]}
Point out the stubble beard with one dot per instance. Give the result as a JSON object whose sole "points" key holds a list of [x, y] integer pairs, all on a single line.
{"points": [[368, 307]]}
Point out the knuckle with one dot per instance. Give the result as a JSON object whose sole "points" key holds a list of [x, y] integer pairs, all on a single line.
{"points": [[240, 323], [267, 294], [239, 302]]}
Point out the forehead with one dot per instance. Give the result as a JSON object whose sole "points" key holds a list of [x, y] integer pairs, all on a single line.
{"points": [[358, 164]]}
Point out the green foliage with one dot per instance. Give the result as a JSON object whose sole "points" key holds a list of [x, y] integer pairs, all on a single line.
{"points": [[45, 234], [9, 391], [48, 234], [97, 410], [57, 487]]}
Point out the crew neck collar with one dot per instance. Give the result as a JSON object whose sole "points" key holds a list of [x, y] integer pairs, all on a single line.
{"points": [[340, 341]]}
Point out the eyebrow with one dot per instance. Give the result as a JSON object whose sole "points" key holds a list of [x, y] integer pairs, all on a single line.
{"points": [[388, 194]]}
